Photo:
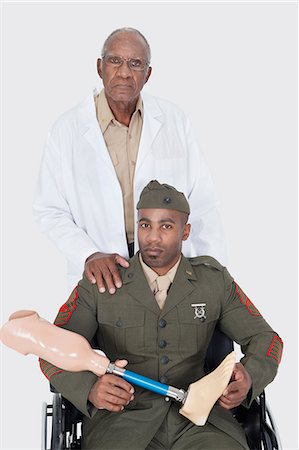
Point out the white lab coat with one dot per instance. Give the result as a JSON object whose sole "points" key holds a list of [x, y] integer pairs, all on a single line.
{"points": [[78, 201]]}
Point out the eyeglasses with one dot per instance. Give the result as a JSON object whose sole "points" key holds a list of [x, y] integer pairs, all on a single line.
{"points": [[115, 61]]}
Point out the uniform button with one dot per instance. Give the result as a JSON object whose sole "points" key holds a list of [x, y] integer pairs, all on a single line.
{"points": [[164, 380], [164, 359], [162, 343], [130, 275], [162, 323], [119, 323]]}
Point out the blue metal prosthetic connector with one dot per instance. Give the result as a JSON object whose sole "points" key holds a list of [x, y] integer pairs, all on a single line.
{"points": [[147, 383]]}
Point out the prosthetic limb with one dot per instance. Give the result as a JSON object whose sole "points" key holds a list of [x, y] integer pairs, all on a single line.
{"points": [[206, 391], [26, 332]]}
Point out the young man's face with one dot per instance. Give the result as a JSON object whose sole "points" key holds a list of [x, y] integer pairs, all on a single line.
{"points": [[160, 236]]}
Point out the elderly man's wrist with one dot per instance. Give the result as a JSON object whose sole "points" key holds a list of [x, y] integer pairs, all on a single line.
{"points": [[92, 256]]}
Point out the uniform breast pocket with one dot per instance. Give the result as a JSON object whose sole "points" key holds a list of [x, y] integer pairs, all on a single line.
{"points": [[121, 330], [196, 328]]}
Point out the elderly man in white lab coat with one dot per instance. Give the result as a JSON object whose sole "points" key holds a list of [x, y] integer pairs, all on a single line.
{"points": [[100, 155]]}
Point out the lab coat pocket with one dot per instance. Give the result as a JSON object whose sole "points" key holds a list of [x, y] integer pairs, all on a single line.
{"points": [[167, 170]]}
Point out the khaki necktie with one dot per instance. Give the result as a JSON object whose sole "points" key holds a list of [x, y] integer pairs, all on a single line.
{"points": [[163, 283]]}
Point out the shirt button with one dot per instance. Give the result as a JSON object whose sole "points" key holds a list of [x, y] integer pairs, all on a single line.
{"points": [[162, 323], [164, 380], [119, 323], [162, 343], [164, 359]]}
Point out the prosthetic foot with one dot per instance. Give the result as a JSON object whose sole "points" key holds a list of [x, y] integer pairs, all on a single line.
{"points": [[203, 394]]}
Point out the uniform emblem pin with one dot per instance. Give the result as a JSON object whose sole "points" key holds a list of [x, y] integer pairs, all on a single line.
{"points": [[199, 311]]}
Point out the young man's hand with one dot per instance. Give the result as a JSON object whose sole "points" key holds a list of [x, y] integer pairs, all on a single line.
{"points": [[237, 389], [111, 392]]}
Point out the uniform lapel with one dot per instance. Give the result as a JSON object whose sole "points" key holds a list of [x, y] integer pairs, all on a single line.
{"points": [[137, 286], [181, 286]]}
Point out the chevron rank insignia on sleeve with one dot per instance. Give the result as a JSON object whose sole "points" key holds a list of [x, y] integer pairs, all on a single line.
{"points": [[67, 309], [275, 349], [246, 302]]}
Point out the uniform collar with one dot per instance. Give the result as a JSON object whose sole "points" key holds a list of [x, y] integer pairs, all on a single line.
{"points": [[137, 286], [182, 267], [151, 275]]}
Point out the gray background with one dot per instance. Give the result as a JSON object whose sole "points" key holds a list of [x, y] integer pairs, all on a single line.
{"points": [[232, 66]]}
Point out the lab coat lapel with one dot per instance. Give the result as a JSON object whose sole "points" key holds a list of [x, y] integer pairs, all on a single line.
{"points": [[152, 122], [181, 286], [137, 286], [91, 132]]}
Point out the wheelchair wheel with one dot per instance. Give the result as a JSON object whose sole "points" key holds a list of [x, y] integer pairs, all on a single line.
{"points": [[274, 428], [44, 431], [57, 439]]}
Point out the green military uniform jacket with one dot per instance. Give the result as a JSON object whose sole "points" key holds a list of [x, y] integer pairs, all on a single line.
{"points": [[168, 345]]}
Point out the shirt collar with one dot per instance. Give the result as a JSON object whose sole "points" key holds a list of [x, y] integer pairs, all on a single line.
{"points": [[151, 275], [105, 115]]}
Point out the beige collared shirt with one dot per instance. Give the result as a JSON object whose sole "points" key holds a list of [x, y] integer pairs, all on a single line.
{"points": [[122, 143], [151, 276]]}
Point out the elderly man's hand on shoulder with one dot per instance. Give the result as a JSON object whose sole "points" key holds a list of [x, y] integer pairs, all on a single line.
{"points": [[101, 268]]}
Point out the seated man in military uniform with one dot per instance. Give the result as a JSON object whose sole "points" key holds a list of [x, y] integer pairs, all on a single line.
{"points": [[162, 321]]}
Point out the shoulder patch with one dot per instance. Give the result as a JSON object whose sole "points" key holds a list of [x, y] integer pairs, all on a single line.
{"points": [[206, 261], [67, 309]]}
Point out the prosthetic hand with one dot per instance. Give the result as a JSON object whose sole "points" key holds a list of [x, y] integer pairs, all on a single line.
{"points": [[26, 332]]}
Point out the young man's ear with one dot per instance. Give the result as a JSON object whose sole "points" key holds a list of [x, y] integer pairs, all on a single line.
{"points": [[186, 232]]}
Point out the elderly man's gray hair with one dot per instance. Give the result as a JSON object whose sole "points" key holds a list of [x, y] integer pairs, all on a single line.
{"points": [[127, 30]]}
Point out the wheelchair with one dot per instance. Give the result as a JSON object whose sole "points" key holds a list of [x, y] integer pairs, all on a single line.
{"points": [[65, 420]]}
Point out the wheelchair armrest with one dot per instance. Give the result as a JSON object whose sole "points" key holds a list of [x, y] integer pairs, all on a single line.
{"points": [[72, 414], [52, 389]]}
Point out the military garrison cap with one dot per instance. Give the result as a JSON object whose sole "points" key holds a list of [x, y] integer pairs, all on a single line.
{"points": [[162, 196]]}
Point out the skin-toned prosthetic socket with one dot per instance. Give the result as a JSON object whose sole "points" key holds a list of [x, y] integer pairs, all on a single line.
{"points": [[203, 394], [26, 332]]}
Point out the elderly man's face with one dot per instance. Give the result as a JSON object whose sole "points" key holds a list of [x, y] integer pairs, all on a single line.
{"points": [[160, 236], [123, 84]]}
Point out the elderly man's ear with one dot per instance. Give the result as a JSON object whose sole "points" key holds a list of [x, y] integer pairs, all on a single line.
{"points": [[149, 71], [99, 67]]}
